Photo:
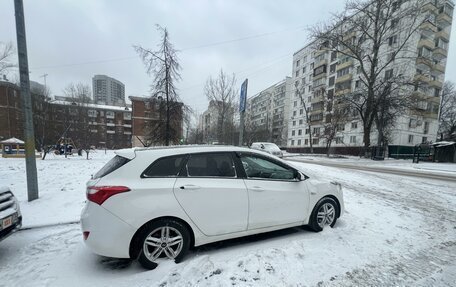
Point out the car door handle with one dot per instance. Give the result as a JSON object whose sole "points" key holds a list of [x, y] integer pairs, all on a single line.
{"points": [[190, 187], [257, 188]]}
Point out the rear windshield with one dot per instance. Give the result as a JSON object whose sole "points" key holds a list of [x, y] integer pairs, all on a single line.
{"points": [[115, 163]]}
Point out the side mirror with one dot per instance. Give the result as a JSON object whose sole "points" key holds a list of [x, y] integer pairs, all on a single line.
{"points": [[300, 176], [262, 146]]}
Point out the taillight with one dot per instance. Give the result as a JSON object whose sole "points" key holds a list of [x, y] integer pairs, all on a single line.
{"points": [[99, 194]]}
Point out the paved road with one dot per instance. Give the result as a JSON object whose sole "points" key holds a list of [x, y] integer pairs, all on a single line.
{"points": [[420, 174]]}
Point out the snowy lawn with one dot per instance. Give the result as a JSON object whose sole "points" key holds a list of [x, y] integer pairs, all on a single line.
{"points": [[396, 231]]}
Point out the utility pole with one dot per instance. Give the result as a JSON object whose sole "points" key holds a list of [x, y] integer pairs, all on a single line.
{"points": [[242, 106], [30, 160], [44, 76]]}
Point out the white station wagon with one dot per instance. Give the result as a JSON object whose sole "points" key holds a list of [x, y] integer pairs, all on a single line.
{"points": [[154, 204]]}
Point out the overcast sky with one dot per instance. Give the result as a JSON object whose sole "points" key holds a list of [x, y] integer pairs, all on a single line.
{"points": [[72, 40]]}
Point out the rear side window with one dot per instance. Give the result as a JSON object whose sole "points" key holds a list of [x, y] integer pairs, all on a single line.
{"points": [[165, 167], [115, 163], [217, 165]]}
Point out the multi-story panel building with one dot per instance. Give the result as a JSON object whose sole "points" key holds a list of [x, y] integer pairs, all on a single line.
{"points": [[268, 112], [108, 91], [323, 75]]}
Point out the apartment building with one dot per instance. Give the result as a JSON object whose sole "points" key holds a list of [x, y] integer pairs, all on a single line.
{"points": [[323, 75], [108, 91], [148, 119], [267, 113], [210, 123]]}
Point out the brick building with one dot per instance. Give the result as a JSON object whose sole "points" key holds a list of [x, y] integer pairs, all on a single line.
{"points": [[149, 118]]}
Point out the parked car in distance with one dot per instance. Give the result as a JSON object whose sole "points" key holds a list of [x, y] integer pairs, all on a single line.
{"points": [[154, 204], [270, 148], [10, 213]]}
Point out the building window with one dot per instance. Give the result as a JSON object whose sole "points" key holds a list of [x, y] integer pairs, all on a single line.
{"points": [[299, 132], [426, 127], [354, 125], [297, 73], [294, 123], [292, 142], [333, 55], [424, 140], [295, 104], [297, 63], [306, 141], [294, 113], [392, 40], [315, 141], [353, 139], [301, 111], [292, 133], [303, 70], [332, 80], [343, 72], [388, 74], [92, 113], [316, 131], [410, 139], [299, 142], [332, 68]]}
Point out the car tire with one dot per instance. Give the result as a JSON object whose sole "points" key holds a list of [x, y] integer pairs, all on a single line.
{"points": [[326, 209], [166, 238]]}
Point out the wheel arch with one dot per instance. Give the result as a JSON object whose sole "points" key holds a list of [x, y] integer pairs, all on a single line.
{"points": [[135, 248], [332, 197]]}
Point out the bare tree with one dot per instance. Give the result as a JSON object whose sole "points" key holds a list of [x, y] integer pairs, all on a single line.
{"points": [[77, 120], [41, 96], [337, 115], [6, 52], [447, 117], [163, 66], [222, 92], [374, 35]]}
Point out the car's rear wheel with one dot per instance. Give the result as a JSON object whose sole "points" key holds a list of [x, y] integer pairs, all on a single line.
{"points": [[167, 239], [324, 214]]}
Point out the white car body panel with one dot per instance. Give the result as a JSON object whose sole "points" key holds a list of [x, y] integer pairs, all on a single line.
{"points": [[218, 210], [276, 202], [224, 199]]}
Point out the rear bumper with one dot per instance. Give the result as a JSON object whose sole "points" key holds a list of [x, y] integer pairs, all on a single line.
{"points": [[108, 235]]}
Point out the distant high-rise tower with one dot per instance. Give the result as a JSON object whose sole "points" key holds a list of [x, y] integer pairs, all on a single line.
{"points": [[108, 91]]}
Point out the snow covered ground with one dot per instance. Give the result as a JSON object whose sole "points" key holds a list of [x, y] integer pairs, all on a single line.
{"points": [[397, 231]]}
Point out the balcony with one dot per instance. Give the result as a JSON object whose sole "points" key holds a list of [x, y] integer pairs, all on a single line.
{"points": [[443, 35], [443, 19], [319, 76], [436, 83], [428, 28], [428, 43], [429, 7], [345, 64], [438, 69], [316, 99], [424, 63], [342, 92], [111, 124], [344, 78], [422, 78], [127, 126], [439, 53], [321, 63]]}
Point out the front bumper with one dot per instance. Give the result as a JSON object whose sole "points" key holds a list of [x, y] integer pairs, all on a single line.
{"points": [[17, 224], [109, 235]]}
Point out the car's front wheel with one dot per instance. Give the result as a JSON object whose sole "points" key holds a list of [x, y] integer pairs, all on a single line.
{"points": [[324, 214], [167, 239]]}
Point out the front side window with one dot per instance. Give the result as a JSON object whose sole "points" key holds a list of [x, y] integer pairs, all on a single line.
{"points": [[256, 167], [165, 167], [211, 165]]}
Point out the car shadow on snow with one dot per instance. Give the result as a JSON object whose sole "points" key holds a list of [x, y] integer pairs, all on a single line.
{"points": [[246, 241]]}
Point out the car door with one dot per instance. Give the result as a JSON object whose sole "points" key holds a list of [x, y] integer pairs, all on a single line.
{"points": [[212, 194], [276, 196]]}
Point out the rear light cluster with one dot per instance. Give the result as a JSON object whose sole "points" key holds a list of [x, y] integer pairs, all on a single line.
{"points": [[99, 194]]}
